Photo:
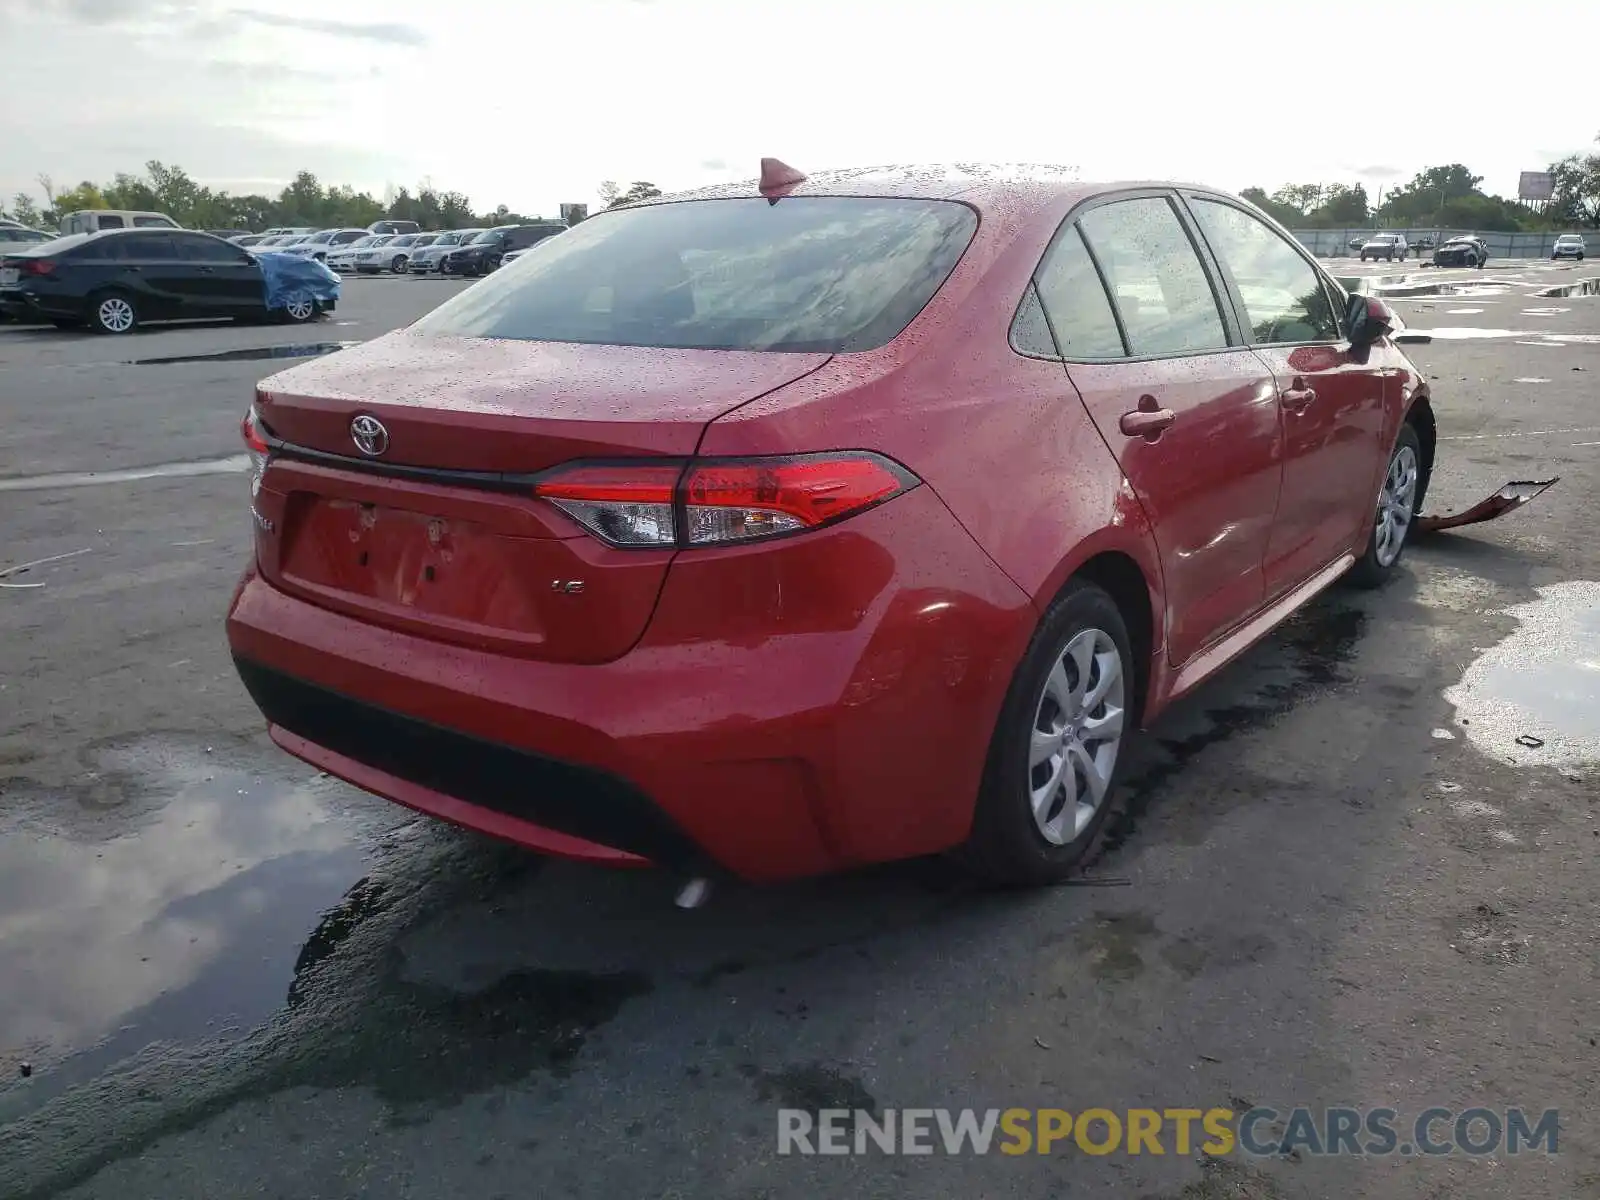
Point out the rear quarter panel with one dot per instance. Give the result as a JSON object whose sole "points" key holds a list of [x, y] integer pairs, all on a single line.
{"points": [[1003, 439]]}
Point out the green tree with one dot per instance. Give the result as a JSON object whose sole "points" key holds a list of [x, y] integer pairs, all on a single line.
{"points": [[1284, 214], [25, 210], [85, 195], [1577, 190], [608, 192], [637, 191], [1342, 206]]}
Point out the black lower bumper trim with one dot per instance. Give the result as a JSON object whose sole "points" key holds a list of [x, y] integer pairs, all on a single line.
{"points": [[576, 800]]}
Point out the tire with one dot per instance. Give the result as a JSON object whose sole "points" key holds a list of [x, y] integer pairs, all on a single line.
{"points": [[1377, 564], [1363, 258], [113, 312], [300, 309], [1009, 845], [397, 264]]}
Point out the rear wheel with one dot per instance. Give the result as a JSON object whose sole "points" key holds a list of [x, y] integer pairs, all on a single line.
{"points": [[113, 313], [1396, 512], [1055, 756]]}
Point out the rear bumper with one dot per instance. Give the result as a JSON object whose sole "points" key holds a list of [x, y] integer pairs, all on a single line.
{"points": [[31, 306], [771, 744]]}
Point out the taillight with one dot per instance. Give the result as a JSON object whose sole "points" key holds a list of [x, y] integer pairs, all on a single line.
{"points": [[712, 502], [38, 266], [255, 444]]}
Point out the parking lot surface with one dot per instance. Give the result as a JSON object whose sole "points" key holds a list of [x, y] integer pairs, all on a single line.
{"points": [[1338, 879]]}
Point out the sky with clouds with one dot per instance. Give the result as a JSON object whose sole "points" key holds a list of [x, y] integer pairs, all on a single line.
{"points": [[529, 103]]}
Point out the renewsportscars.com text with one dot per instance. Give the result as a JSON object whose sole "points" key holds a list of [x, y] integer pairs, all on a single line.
{"points": [[1259, 1131]]}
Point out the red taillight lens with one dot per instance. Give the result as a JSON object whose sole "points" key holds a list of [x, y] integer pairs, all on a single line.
{"points": [[250, 430], [38, 266], [721, 501], [256, 443]]}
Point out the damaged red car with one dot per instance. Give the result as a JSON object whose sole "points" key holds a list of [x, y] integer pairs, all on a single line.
{"points": [[814, 522]]}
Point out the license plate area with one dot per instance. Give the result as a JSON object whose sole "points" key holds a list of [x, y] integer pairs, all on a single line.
{"points": [[431, 566], [9, 276]]}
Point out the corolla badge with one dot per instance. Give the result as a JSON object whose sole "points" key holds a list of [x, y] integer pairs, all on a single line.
{"points": [[369, 435]]}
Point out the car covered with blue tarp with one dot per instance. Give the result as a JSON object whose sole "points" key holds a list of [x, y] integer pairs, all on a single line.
{"points": [[290, 282]]}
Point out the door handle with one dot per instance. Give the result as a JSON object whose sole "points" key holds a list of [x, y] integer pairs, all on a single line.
{"points": [[1297, 396], [1146, 422], [207, 270]]}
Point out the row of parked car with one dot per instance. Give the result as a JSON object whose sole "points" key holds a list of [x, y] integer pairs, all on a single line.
{"points": [[383, 248], [1464, 250], [115, 271]]}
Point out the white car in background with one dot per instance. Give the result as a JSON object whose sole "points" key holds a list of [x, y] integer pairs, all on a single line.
{"points": [[429, 257], [393, 254], [17, 237], [1568, 245], [320, 245], [1388, 246], [343, 258], [276, 241]]}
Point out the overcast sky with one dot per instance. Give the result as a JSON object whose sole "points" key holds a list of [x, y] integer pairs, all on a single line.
{"points": [[529, 103]]}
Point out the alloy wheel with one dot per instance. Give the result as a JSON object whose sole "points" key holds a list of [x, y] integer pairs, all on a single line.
{"points": [[301, 307], [1396, 505], [1076, 736], [115, 314]]}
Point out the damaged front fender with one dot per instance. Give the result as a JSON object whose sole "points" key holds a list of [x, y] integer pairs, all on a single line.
{"points": [[1509, 498]]}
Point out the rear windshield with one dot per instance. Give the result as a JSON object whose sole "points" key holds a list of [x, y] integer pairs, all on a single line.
{"points": [[809, 273]]}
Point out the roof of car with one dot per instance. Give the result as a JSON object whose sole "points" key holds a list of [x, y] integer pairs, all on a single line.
{"points": [[1019, 186]]}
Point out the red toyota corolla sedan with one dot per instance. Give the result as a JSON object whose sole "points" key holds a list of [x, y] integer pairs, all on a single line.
{"points": [[815, 522]]}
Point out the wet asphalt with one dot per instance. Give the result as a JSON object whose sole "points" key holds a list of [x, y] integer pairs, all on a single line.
{"points": [[224, 975]]}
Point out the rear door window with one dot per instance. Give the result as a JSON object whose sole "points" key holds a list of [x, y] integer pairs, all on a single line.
{"points": [[205, 250], [149, 223], [1284, 298], [148, 246], [809, 273], [1075, 301], [105, 222], [1157, 282]]}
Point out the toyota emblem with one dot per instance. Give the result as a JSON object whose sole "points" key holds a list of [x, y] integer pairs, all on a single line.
{"points": [[370, 437]]}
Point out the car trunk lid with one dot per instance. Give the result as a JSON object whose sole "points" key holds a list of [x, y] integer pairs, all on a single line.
{"points": [[438, 533]]}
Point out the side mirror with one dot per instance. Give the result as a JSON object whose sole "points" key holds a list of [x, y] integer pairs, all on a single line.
{"points": [[1368, 319]]}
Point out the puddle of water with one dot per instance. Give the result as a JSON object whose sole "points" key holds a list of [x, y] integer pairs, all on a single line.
{"points": [[1467, 332], [1583, 287], [248, 354], [1530, 379], [184, 928], [1544, 312], [1542, 682], [211, 466]]}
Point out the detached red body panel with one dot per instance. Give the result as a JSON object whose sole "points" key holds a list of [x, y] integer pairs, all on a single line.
{"points": [[751, 598]]}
